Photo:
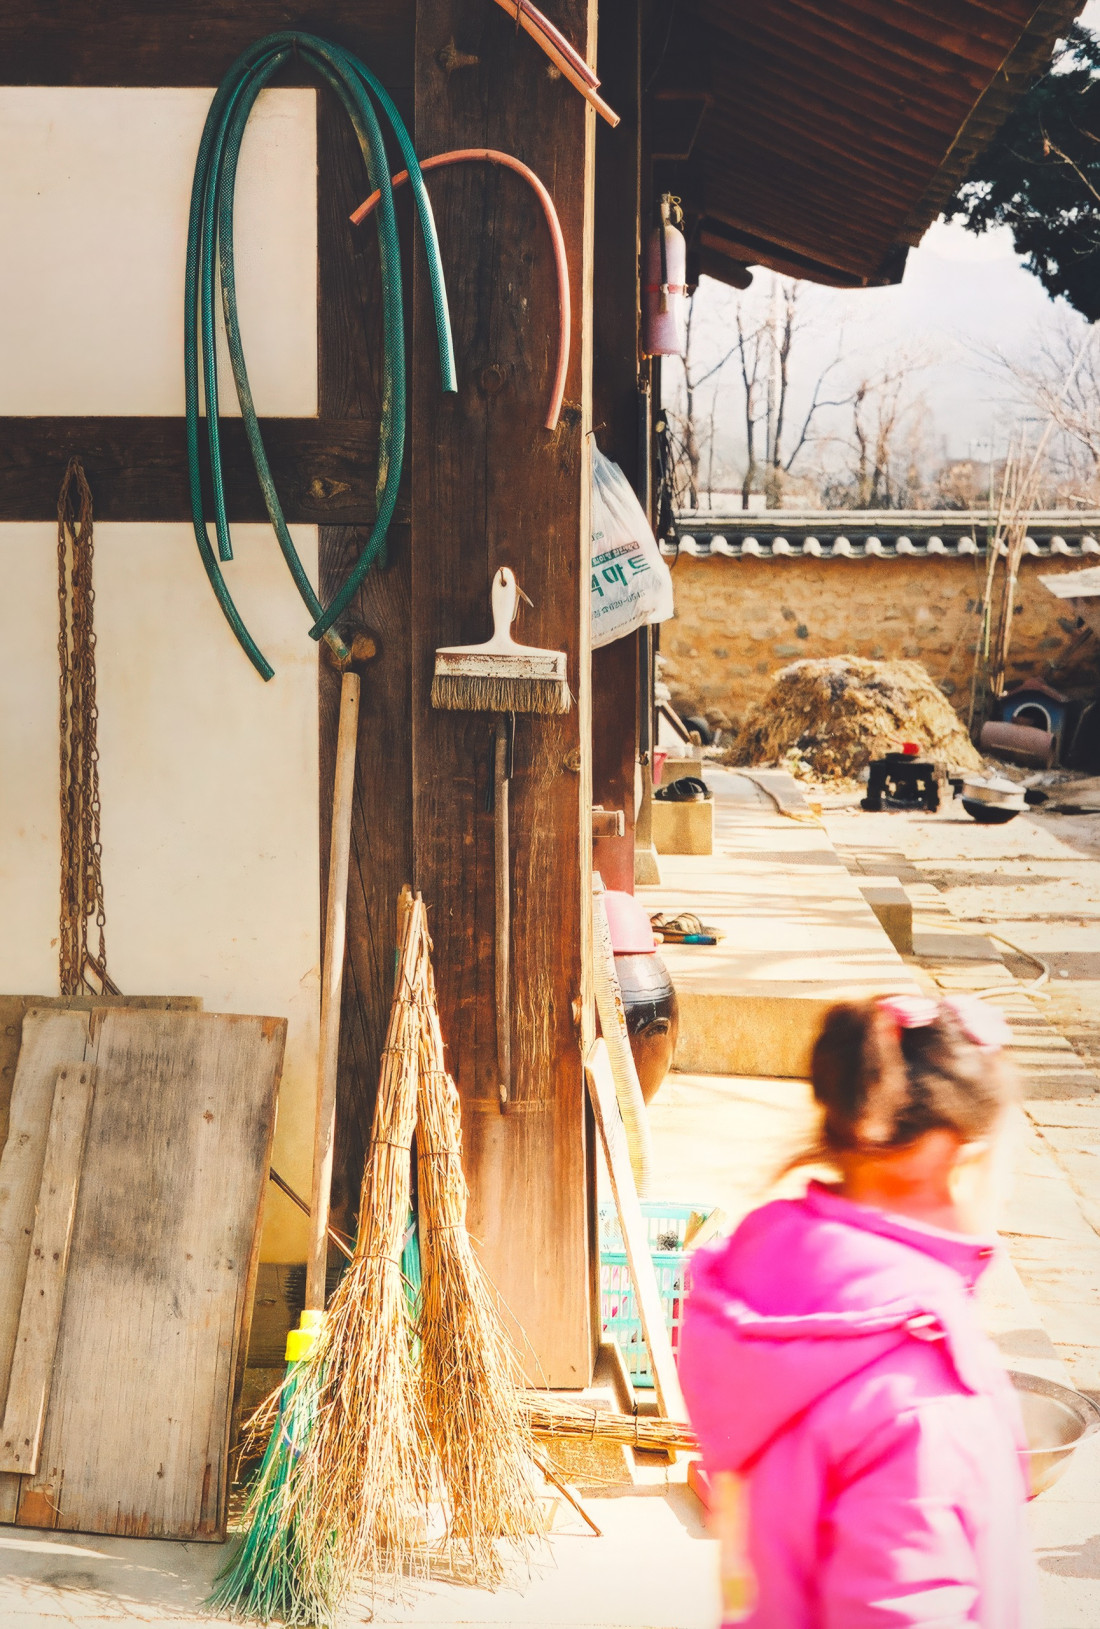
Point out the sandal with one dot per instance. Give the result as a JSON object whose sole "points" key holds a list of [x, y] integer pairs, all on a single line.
{"points": [[688, 789], [684, 928]]}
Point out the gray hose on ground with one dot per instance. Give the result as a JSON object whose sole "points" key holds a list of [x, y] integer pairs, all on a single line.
{"points": [[609, 1004]]}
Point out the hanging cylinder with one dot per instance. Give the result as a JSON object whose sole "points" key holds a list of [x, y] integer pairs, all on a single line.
{"points": [[664, 285]]}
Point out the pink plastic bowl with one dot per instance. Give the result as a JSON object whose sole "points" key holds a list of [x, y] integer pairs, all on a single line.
{"points": [[631, 934]]}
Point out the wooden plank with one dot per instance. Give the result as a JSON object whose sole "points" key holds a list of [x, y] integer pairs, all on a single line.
{"points": [[492, 486], [49, 1040], [138, 1423], [44, 1287], [349, 342], [324, 468], [146, 42], [609, 1124], [617, 366], [13, 1008]]}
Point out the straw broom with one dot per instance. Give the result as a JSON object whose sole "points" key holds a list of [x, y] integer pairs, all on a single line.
{"points": [[470, 1373], [351, 1499], [351, 1496], [363, 1480]]}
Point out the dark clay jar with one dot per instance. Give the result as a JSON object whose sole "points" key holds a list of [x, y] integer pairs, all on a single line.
{"points": [[652, 1017]]}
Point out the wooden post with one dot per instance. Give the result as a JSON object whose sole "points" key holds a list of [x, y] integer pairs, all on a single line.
{"points": [[615, 409], [348, 349], [491, 486]]}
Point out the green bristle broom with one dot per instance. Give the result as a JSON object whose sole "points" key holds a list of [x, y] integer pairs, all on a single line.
{"points": [[265, 1577]]}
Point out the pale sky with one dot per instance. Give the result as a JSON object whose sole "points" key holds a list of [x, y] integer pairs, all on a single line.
{"points": [[962, 298]]}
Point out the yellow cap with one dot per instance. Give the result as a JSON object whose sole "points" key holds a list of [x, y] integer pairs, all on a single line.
{"points": [[300, 1342]]}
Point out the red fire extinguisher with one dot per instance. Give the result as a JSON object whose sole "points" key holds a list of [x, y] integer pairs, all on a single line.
{"points": [[664, 285]]}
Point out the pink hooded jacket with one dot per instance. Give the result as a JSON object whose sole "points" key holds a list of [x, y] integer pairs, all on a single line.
{"points": [[831, 1354]]}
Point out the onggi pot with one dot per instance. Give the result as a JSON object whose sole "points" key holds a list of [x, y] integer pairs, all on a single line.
{"points": [[652, 1014]]}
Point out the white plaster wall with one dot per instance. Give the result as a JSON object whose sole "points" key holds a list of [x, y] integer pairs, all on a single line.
{"points": [[209, 776], [95, 185], [209, 788]]}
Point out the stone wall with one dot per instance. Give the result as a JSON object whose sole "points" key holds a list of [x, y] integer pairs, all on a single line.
{"points": [[740, 620]]}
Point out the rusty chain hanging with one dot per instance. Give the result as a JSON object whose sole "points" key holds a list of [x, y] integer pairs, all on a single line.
{"points": [[82, 972]]}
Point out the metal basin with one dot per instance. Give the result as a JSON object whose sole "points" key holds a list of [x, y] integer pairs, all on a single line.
{"points": [[992, 802], [1056, 1420], [989, 814]]}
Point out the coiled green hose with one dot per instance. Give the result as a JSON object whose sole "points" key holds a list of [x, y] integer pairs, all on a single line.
{"points": [[210, 244]]}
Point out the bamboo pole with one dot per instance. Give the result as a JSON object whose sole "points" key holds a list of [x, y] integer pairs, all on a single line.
{"points": [[332, 983]]}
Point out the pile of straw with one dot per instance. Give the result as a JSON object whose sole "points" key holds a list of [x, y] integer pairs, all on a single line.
{"points": [[840, 712]]}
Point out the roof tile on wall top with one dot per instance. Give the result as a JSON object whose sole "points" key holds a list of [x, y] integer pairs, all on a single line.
{"points": [[881, 535]]}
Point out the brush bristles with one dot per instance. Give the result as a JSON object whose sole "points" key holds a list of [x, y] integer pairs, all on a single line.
{"points": [[484, 693], [367, 1433], [471, 1375]]}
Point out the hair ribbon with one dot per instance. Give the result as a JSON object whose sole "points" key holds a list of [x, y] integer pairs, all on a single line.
{"points": [[984, 1026]]}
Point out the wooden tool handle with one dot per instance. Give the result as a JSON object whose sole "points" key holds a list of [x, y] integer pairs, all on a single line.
{"points": [[332, 980], [503, 928], [562, 58], [505, 598]]}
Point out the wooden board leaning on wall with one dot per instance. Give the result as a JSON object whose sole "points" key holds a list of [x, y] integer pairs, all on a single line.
{"points": [[151, 1314]]}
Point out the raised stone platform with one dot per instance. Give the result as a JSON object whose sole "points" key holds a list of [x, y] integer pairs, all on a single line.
{"points": [[798, 933], [683, 828]]}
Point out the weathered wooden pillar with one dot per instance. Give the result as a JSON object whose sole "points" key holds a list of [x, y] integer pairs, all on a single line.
{"points": [[491, 486], [349, 347], [616, 408]]}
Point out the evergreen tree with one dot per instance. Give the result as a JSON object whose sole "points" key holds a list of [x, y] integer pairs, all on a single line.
{"points": [[1040, 175]]}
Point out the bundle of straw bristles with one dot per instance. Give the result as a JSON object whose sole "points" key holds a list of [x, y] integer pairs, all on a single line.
{"points": [[401, 1444]]}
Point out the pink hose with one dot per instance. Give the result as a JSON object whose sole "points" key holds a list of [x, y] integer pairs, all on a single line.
{"points": [[490, 155]]}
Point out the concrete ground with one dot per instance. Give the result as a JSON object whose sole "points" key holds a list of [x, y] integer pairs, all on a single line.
{"points": [[1036, 883], [719, 1140], [653, 1568]]}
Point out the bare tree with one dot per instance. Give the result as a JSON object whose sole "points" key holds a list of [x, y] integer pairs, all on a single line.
{"points": [[766, 353], [684, 426], [1060, 383], [884, 463], [1021, 486], [750, 351]]}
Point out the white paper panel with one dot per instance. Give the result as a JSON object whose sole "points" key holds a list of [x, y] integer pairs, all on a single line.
{"points": [[94, 191], [209, 787]]}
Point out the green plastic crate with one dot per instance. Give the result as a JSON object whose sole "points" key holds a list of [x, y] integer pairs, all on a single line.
{"points": [[666, 1225]]}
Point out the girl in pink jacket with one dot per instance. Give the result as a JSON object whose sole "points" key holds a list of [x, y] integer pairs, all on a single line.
{"points": [[832, 1359]]}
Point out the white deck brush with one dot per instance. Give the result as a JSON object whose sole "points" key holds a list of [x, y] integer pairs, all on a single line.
{"points": [[501, 676]]}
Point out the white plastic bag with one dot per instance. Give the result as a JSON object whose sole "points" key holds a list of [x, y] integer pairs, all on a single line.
{"points": [[631, 584]]}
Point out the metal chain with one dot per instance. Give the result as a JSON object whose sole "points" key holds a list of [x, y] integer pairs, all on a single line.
{"points": [[81, 847]]}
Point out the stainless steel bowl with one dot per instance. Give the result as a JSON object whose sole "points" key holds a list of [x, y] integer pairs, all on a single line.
{"points": [[993, 801], [1001, 794], [1056, 1420]]}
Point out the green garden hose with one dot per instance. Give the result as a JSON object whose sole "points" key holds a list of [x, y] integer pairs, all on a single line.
{"points": [[210, 245]]}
